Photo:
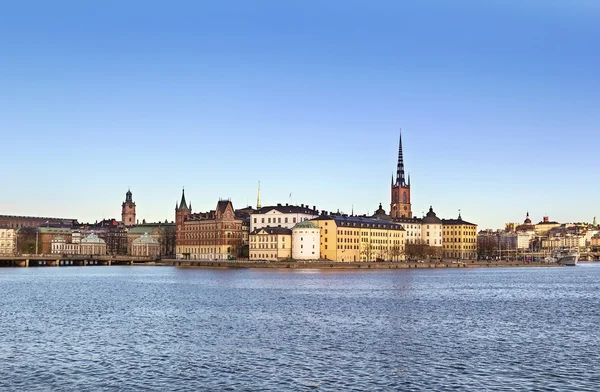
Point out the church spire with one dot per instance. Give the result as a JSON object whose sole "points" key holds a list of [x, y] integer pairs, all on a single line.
{"points": [[183, 204], [400, 172], [258, 205]]}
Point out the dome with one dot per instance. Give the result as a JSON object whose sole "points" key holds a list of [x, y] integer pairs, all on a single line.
{"points": [[527, 220], [92, 239], [145, 239], [306, 225], [58, 238], [431, 218]]}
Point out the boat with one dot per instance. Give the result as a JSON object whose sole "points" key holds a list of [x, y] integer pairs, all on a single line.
{"points": [[566, 257]]}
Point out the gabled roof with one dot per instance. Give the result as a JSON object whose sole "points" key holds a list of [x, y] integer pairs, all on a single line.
{"points": [[222, 206]]}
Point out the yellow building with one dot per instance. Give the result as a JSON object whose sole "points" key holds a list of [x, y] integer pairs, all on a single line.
{"points": [[271, 244], [459, 239], [350, 238]]}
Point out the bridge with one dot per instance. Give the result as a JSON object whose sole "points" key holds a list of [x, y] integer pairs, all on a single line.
{"points": [[71, 260]]}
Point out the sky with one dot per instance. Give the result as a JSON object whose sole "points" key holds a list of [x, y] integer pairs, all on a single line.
{"points": [[498, 102]]}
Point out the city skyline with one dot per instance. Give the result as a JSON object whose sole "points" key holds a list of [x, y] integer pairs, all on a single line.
{"points": [[499, 116]]}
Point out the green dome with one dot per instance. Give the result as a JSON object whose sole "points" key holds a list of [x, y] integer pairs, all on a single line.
{"points": [[306, 225], [145, 239]]}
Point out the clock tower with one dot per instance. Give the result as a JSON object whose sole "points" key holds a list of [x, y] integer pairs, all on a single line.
{"points": [[128, 210], [400, 206]]}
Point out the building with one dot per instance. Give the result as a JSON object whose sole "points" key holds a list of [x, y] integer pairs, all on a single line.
{"points": [[281, 216], [306, 241], [214, 235], [61, 247], [345, 238], [400, 205], [163, 232], [128, 210], [92, 245], [145, 245], [17, 222], [431, 229], [459, 239], [8, 238], [545, 225], [271, 244]]}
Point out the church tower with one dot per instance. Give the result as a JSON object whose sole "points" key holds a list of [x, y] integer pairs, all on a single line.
{"points": [[128, 210], [181, 212], [400, 207]]}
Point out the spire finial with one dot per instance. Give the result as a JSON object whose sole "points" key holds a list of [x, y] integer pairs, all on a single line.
{"points": [[258, 204], [400, 171], [459, 217]]}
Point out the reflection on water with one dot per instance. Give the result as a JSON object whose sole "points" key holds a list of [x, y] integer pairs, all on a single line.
{"points": [[152, 328]]}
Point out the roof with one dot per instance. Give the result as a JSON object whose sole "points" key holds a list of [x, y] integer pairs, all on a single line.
{"points": [[273, 230], [457, 222], [287, 209], [148, 228], [92, 239], [222, 205], [54, 230], [306, 225], [431, 218], [359, 222], [145, 239]]}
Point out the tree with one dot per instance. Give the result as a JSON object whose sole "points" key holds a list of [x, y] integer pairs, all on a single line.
{"points": [[26, 240], [167, 240], [395, 252], [366, 251]]}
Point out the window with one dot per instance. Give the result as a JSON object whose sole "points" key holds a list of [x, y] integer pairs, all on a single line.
{"points": [[294, 220], [286, 220], [254, 220], [262, 220], [278, 220]]}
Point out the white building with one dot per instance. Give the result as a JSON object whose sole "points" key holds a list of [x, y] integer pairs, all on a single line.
{"points": [[281, 216], [145, 246], [8, 241], [92, 245], [60, 247], [431, 229], [306, 241]]}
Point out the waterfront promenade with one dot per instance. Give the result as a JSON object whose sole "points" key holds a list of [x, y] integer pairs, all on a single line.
{"points": [[87, 260]]}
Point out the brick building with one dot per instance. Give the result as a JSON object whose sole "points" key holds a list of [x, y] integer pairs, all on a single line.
{"points": [[214, 235]]}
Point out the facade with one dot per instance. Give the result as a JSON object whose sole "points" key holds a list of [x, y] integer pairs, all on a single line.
{"points": [[545, 226], [145, 245], [214, 235], [431, 229], [306, 241], [61, 247], [352, 238], [271, 244], [17, 222], [163, 232], [400, 205], [128, 210], [281, 216], [414, 229], [8, 238], [459, 239], [92, 245]]}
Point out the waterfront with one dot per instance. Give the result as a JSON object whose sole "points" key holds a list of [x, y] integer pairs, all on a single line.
{"points": [[149, 328]]}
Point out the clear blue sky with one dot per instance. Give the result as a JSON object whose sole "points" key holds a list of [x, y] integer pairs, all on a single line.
{"points": [[499, 102]]}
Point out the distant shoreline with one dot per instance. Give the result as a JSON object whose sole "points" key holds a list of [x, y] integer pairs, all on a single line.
{"points": [[194, 264]]}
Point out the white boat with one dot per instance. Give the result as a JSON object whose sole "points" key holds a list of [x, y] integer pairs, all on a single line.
{"points": [[565, 257]]}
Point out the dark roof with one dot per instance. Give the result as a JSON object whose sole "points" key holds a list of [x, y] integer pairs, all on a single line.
{"points": [[274, 230], [287, 209], [358, 222], [457, 222], [183, 204], [222, 205], [431, 218], [408, 220]]}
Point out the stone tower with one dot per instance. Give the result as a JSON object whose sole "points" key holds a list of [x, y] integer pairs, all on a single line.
{"points": [[400, 206], [128, 210]]}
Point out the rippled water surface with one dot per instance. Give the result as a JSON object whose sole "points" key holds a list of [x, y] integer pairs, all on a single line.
{"points": [[160, 328]]}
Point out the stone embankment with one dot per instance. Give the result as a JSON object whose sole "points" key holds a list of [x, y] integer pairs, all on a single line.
{"points": [[349, 265]]}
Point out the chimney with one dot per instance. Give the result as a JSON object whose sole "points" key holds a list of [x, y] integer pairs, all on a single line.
{"points": [[286, 204], [302, 205], [546, 220], [278, 204], [314, 208]]}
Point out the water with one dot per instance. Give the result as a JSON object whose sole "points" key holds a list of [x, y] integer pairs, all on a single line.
{"points": [[160, 328]]}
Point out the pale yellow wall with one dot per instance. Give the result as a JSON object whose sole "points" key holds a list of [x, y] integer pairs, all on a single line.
{"points": [[271, 247], [460, 241], [328, 246]]}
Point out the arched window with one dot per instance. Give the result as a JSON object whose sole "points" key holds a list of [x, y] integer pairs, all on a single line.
{"points": [[404, 198]]}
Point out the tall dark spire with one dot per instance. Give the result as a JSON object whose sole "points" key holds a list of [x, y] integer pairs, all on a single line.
{"points": [[400, 173], [183, 204]]}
